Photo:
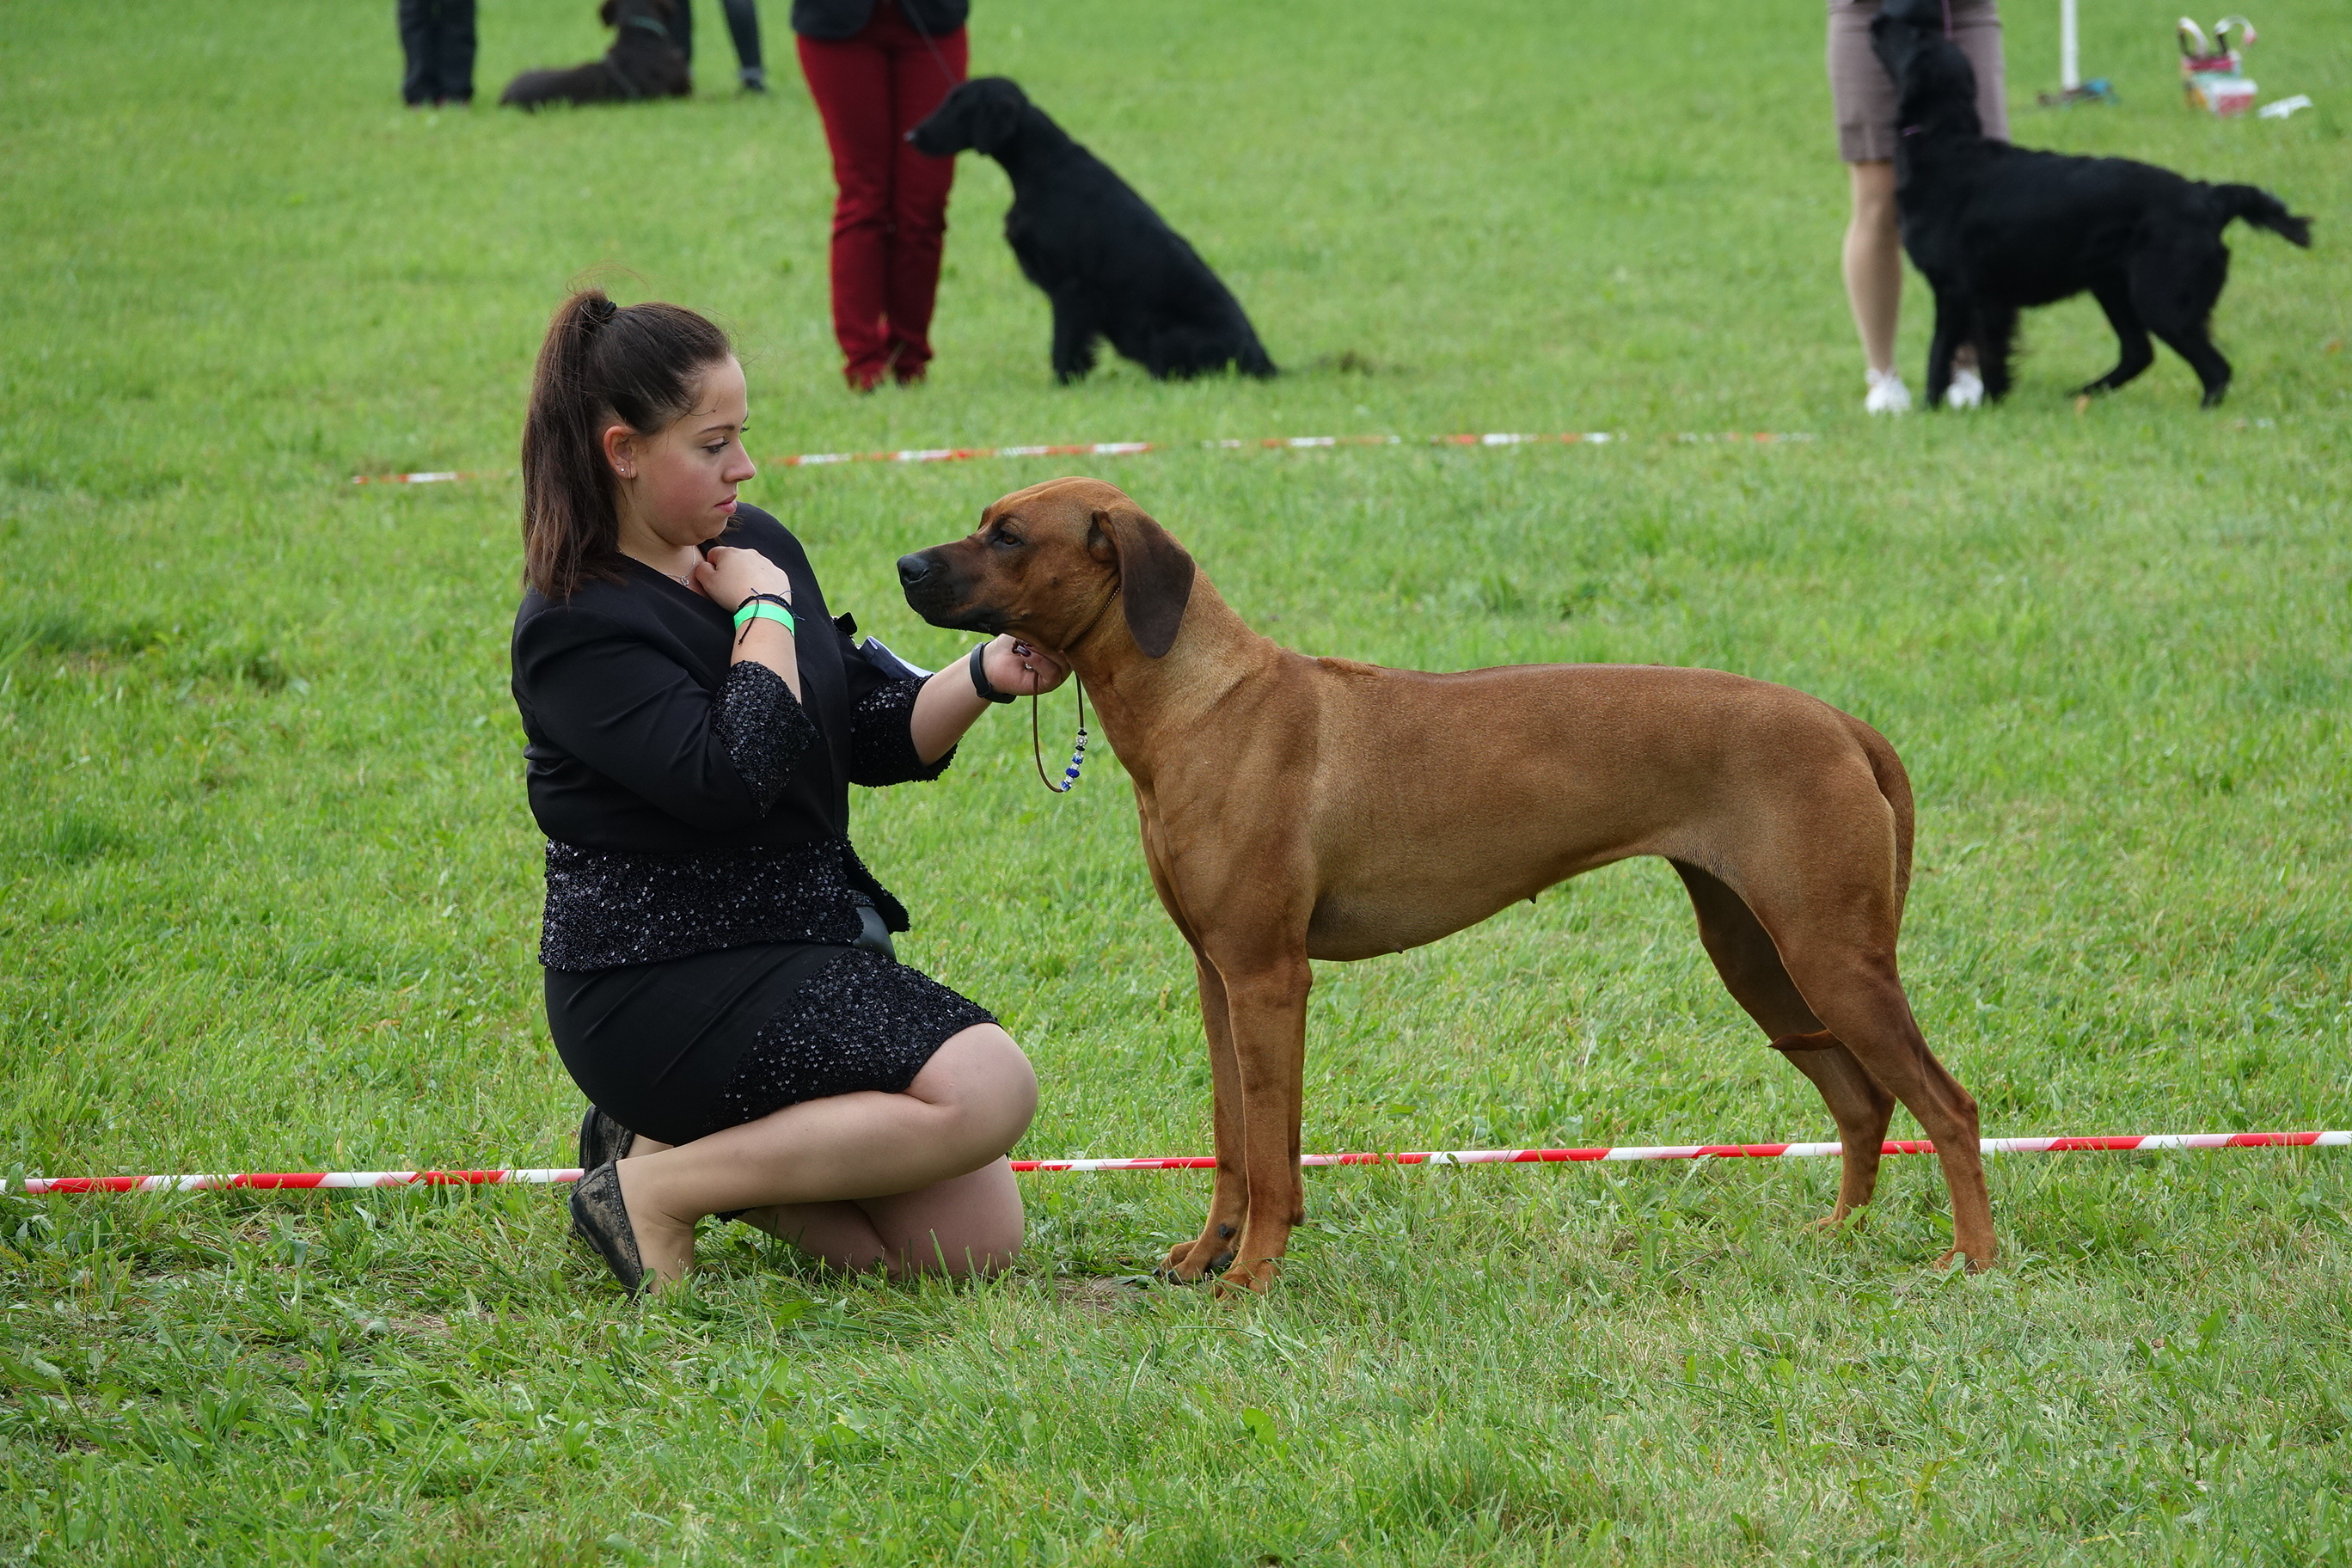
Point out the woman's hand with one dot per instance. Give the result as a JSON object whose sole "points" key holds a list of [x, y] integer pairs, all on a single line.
{"points": [[949, 701], [729, 575], [1021, 669]]}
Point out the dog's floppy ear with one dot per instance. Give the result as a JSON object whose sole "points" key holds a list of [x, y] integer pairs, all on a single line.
{"points": [[995, 115], [1155, 575]]}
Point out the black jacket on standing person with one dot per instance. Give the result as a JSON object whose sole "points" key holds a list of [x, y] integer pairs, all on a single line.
{"points": [[691, 804], [847, 18]]}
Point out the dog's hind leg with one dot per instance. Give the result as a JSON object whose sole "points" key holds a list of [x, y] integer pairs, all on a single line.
{"points": [[1751, 971], [2133, 353], [2190, 341], [2174, 286], [1213, 1250], [1848, 979]]}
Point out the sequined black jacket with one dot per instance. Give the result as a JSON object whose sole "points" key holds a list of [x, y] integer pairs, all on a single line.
{"points": [[691, 804]]}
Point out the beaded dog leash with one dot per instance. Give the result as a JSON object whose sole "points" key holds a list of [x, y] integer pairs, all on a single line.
{"points": [[1069, 779]]}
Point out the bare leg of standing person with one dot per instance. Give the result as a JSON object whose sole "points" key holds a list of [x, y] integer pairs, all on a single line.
{"points": [[1874, 291], [1873, 262]]}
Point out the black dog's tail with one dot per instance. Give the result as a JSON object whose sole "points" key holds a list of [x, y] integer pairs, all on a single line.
{"points": [[1253, 359], [2263, 210]]}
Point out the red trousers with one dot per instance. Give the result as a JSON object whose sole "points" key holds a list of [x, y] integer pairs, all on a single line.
{"points": [[892, 216]]}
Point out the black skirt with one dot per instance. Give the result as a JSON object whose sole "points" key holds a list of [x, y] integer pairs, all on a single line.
{"points": [[678, 1049]]}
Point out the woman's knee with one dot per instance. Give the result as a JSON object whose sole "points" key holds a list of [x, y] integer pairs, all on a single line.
{"points": [[1873, 194], [985, 1084]]}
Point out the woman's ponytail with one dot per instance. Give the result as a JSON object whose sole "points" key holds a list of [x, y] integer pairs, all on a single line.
{"points": [[601, 363]]}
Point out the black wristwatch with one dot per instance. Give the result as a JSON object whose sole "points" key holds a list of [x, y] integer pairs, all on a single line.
{"points": [[980, 678]]}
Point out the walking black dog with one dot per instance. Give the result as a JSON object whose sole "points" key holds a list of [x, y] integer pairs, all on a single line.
{"points": [[645, 61], [1111, 266], [1996, 228]]}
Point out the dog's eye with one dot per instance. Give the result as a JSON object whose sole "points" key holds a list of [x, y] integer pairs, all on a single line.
{"points": [[1003, 540]]}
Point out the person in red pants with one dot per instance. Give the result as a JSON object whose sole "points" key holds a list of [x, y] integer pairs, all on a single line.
{"points": [[877, 69]]}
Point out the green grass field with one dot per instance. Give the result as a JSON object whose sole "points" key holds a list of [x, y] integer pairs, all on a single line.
{"points": [[272, 891]]}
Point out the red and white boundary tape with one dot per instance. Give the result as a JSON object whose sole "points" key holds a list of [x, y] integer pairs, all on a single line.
{"points": [[2145, 1142], [1130, 448]]}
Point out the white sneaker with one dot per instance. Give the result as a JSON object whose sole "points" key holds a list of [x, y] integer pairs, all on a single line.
{"points": [[1966, 389], [1888, 394]]}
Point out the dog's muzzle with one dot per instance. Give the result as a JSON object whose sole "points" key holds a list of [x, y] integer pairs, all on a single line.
{"points": [[931, 593]]}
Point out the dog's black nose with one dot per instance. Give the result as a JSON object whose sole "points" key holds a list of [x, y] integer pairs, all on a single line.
{"points": [[910, 136], [913, 569]]}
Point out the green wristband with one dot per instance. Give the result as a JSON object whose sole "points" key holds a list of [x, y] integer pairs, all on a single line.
{"points": [[761, 610]]}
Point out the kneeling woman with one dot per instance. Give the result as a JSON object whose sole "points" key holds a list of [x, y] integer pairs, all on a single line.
{"points": [[720, 976]]}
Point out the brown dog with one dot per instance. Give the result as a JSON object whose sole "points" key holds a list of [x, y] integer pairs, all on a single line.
{"points": [[1296, 808]]}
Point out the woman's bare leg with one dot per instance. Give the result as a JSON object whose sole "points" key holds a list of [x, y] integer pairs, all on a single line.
{"points": [[966, 1224], [1874, 266], [969, 1103], [1874, 261]]}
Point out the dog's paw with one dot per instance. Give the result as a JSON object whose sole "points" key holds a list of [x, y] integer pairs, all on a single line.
{"points": [[1251, 1278], [1975, 1265], [1189, 1261]]}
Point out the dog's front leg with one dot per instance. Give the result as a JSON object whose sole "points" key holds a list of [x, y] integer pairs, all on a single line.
{"points": [[1214, 1249], [1265, 1007], [1951, 323]]}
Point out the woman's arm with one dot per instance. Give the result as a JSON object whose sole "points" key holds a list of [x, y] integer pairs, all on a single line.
{"points": [[949, 702], [727, 576], [607, 699]]}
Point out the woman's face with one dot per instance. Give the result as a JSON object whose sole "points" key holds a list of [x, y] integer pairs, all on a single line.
{"points": [[677, 485]]}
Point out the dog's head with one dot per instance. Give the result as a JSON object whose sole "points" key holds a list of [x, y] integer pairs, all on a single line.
{"points": [[1045, 565], [980, 114], [1935, 85]]}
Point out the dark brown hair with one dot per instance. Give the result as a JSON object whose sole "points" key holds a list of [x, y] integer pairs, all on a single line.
{"points": [[640, 365]]}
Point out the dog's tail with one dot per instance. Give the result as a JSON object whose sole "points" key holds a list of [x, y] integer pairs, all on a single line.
{"points": [[1896, 785], [1253, 359], [2263, 210]]}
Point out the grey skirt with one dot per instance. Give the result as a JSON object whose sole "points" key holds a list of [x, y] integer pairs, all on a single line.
{"points": [[1863, 93]]}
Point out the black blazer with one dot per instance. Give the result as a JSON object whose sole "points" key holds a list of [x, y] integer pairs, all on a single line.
{"points": [[846, 18], [619, 690]]}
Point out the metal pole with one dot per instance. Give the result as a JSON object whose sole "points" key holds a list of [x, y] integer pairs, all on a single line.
{"points": [[2070, 59]]}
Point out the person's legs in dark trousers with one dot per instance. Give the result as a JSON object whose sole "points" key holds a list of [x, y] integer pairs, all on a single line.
{"points": [[423, 73], [889, 223], [437, 39], [850, 81], [458, 50], [921, 76], [742, 26]]}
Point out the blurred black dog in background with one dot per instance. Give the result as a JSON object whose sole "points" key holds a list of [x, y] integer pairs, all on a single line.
{"points": [[1111, 266], [645, 61], [1995, 229]]}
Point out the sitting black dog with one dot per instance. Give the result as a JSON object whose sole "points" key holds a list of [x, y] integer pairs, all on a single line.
{"points": [[1996, 228], [645, 61], [1111, 266]]}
